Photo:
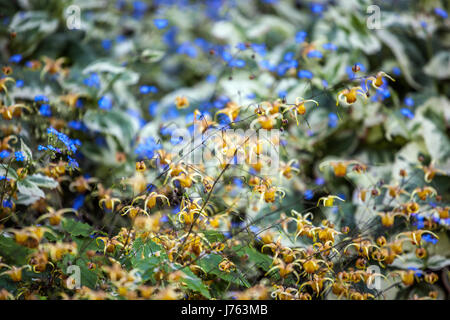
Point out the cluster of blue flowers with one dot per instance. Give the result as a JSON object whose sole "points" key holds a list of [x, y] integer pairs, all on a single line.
{"points": [[19, 156], [44, 107], [146, 149], [406, 111], [71, 145]]}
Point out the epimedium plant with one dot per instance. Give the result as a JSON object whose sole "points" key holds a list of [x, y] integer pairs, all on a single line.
{"points": [[95, 177]]}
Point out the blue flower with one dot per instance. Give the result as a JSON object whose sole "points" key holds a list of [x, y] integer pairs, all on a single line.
{"points": [[139, 9], [221, 101], [45, 110], [409, 102], [329, 46], [319, 181], [106, 44], [288, 56], [283, 67], [7, 204], [92, 81], [309, 194], [4, 154], [76, 125], [237, 224], [429, 238], [381, 94], [211, 78], [259, 48], [147, 148], [15, 58], [188, 49], [238, 63], [78, 202], [169, 37], [282, 94], [254, 229], [148, 89], [300, 36], [265, 64], [332, 120], [314, 54], [226, 56], [19, 83], [419, 223], [72, 162], [407, 113], [305, 74], [396, 71], [71, 145], [316, 8], [19, 155], [160, 23], [417, 272], [121, 38], [241, 46], [441, 12], [105, 103], [152, 108], [40, 98]]}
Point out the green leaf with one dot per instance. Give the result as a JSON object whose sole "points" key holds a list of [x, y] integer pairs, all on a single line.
{"points": [[439, 66], [13, 253], [145, 258], [214, 236], [115, 123], [408, 260], [257, 258], [42, 181], [76, 228], [210, 263], [88, 277], [437, 262], [125, 75], [26, 150], [32, 27], [437, 142], [151, 55], [12, 174], [28, 192], [195, 283], [395, 44]]}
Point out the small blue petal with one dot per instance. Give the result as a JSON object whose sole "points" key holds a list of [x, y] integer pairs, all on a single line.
{"points": [[161, 23], [305, 74]]}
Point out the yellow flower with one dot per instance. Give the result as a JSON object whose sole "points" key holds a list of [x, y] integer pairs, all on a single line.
{"points": [[3, 82], [328, 201], [350, 95], [299, 107], [377, 81], [181, 102]]}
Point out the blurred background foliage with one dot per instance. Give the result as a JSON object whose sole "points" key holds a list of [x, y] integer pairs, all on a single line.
{"points": [[129, 60]]}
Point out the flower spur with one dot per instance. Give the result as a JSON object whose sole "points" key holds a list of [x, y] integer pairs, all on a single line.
{"points": [[350, 95], [299, 107]]}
